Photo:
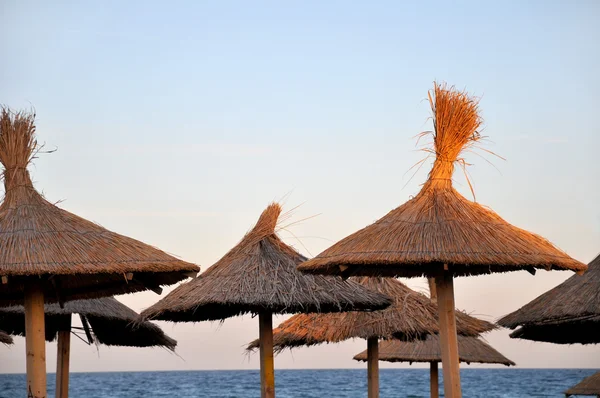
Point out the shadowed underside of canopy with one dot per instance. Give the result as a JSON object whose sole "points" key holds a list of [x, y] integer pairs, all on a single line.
{"points": [[568, 313], [411, 316], [470, 350], [70, 256], [588, 386], [259, 274], [111, 323], [575, 331], [439, 228]]}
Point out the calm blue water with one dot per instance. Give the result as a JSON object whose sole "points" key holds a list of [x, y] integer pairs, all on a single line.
{"points": [[342, 383]]}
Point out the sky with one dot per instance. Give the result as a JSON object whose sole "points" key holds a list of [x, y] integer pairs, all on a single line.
{"points": [[176, 123]]}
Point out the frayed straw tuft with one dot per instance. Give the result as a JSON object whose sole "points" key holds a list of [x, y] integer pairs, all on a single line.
{"points": [[17, 145]]}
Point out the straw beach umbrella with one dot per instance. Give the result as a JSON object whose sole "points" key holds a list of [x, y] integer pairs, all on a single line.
{"points": [[441, 234], [5, 338], [470, 350], [51, 255], [566, 314], [411, 316], [588, 386], [104, 321], [259, 276]]}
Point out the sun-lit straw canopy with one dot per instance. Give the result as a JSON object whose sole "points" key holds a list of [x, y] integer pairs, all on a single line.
{"points": [[73, 258], [439, 226], [105, 320], [566, 314], [588, 386], [470, 350], [259, 274], [411, 316], [5, 338]]}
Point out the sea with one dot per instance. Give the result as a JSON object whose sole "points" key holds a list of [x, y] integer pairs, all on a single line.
{"points": [[329, 383]]}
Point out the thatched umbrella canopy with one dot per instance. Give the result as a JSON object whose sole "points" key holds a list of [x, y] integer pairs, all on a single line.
{"points": [[105, 321], [470, 350], [51, 255], [411, 316], [259, 276], [5, 338], [566, 314], [588, 386], [569, 332], [441, 234]]}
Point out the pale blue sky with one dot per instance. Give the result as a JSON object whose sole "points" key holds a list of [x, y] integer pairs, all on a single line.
{"points": [[177, 122]]}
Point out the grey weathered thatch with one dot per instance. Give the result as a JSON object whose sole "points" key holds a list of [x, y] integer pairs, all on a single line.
{"points": [[470, 350], [411, 316], [72, 257], [110, 323], [439, 226], [259, 274], [5, 338], [588, 386], [569, 332], [566, 314]]}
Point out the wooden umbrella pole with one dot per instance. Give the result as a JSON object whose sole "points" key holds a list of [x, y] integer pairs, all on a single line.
{"points": [[434, 380], [35, 342], [62, 358], [373, 367], [448, 340], [267, 366]]}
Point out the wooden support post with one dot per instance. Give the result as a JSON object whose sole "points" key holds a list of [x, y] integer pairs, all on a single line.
{"points": [[432, 290], [448, 339], [267, 366], [35, 343], [62, 358], [373, 367], [434, 386]]}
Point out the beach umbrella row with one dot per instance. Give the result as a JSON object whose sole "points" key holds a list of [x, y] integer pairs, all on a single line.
{"points": [[54, 256], [439, 233], [104, 321], [470, 350], [259, 276], [411, 316], [51, 255]]}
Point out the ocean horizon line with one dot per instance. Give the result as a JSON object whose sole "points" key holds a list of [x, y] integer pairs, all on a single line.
{"points": [[308, 369]]}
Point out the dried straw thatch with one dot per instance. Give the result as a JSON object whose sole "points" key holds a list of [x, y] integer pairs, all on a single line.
{"points": [[569, 332], [470, 350], [588, 386], [73, 257], [566, 314], [411, 316], [259, 274], [5, 338], [108, 322], [439, 226]]}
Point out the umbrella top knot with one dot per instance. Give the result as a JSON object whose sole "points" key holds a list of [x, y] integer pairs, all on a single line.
{"points": [[17, 147], [456, 122]]}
